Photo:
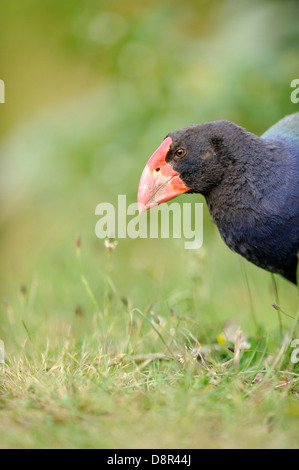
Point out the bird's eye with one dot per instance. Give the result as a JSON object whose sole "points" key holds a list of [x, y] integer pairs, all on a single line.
{"points": [[180, 152]]}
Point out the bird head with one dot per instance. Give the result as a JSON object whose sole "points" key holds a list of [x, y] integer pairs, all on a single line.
{"points": [[188, 160]]}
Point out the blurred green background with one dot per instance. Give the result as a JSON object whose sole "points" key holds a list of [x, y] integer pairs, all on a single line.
{"points": [[92, 88]]}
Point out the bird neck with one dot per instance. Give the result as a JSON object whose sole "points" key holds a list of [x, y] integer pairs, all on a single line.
{"points": [[254, 172]]}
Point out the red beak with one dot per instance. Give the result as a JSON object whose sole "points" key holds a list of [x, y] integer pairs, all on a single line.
{"points": [[159, 181]]}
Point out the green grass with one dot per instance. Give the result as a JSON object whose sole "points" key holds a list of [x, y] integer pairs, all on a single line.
{"points": [[112, 375]]}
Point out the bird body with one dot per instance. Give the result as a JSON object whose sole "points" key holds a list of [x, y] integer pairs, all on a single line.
{"points": [[250, 183]]}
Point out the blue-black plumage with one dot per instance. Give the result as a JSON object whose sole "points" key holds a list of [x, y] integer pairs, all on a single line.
{"points": [[250, 183]]}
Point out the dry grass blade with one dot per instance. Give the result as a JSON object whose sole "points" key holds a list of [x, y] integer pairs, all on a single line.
{"points": [[139, 358], [237, 348]]}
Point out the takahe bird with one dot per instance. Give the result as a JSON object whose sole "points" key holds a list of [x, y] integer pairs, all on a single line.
{"points": [[250, 183]]}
